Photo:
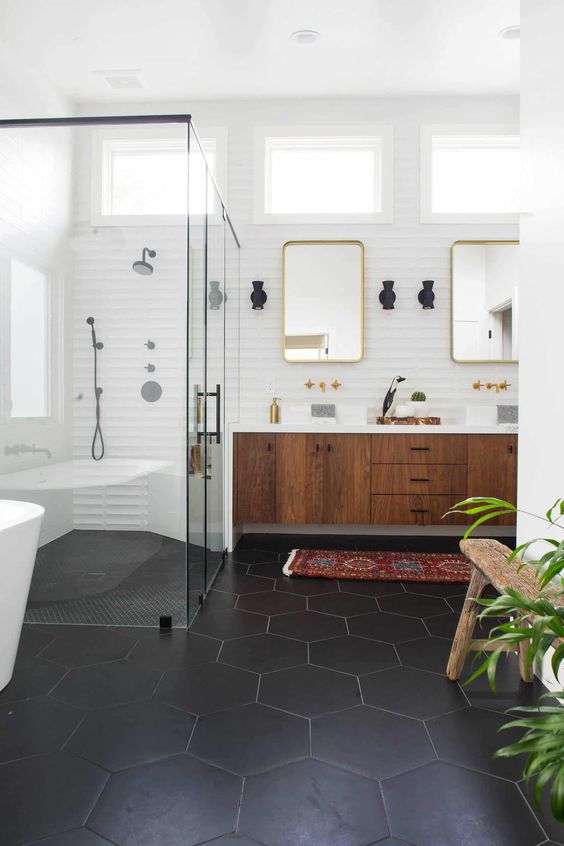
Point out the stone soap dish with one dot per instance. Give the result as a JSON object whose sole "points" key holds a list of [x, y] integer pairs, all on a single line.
{"points": [[408, 421]]}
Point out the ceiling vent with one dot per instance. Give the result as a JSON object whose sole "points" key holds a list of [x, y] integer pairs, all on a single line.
{"points": [[121, 78]]}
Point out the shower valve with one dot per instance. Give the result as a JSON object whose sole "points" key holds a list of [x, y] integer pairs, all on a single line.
{"points": [[150, 368], [149, 344]]}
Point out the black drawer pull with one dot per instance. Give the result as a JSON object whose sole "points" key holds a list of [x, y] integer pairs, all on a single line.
{"points": [[419, 480], [317, 447], [270, 447], [328, 447], [419, 510], [420, 449]]}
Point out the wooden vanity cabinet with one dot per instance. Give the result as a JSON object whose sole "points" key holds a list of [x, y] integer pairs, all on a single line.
{"points": [[254, 473], [492, 469]]}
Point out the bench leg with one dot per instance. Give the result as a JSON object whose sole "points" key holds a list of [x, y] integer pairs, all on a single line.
{"points": [[465, 629], [526, 675]]}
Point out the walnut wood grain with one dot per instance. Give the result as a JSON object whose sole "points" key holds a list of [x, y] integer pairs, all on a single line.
{"points": [[418, 478], [256, 477], [419, 449], [346, 479], [492, 469], [299, 479], [413, 510]]}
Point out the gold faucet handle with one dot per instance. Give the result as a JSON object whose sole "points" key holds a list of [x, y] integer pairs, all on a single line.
{"points": [[336, 384], [477, 385], [323, 386], [504, 385], [309, 384]]}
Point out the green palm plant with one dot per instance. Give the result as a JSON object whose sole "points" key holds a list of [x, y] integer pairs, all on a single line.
{"points": [[539, 621]]}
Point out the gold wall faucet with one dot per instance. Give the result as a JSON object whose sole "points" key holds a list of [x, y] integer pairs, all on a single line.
{"points": [[323, 386], [309, 384], [499, 386], [335, 384], [477, 385]]}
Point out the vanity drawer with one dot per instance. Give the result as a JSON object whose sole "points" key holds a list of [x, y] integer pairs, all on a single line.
{"points": [[413, 510], [419, 478], [419, 449]]}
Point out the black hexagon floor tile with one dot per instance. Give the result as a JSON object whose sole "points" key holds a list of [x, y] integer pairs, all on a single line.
{"points": [[231, 580], [128, 735], [45, 795], [175, 649], [312, 803], [413, 693], [233, 840], [389, 628], [35, 726], [250, 739], [342, 604], [440, 589], [440, 804], [309, 691], [370, 588], [76, 837], [414, 605], [263, 653], [471, 737], [227, 624], [255, 556], [32, 677], [207, 688], [511, 692], [445, 625], [553, 829], [106, 684], [355, 655], [426, 653], [179, 801], [306, 587], [271, 602], [307, 625], [370, 742], [218, 600], [33, 640], [92, 646], [267, 571]]}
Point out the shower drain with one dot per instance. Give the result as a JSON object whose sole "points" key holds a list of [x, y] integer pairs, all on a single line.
{"points": [[94, 577]]}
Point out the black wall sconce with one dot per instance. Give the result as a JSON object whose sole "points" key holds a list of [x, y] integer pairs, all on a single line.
{"points": [[426, 295], [215, 297], [258, 297], [387, 296]]}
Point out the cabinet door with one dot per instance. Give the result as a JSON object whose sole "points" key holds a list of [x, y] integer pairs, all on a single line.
{"points": [[256, 478], [492, 469], [346, 478], [299, 479]]}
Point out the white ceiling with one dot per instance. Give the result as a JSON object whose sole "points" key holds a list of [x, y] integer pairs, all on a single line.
{"points": [[200, 49]]}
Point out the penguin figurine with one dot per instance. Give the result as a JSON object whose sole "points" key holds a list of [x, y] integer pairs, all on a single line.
{"points": [[390, 400]]}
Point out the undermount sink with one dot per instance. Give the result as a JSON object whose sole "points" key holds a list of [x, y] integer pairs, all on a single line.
{"points": [[344, 414]]}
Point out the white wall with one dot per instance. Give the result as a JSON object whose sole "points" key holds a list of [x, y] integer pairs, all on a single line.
{"points": [[408, 340], [541, 463], [35, 182]]}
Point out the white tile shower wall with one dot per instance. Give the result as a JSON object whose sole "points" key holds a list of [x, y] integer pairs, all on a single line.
{"points": [[408, 340], [35, 204]]}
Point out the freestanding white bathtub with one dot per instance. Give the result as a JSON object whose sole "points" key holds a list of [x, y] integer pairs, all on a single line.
{"points": [[20, 523]]}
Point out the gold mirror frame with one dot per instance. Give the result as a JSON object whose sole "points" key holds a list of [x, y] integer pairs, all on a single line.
{"points": [[471, 360], [325, 360]]}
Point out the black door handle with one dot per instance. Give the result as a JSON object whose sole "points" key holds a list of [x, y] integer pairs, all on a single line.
{"points": [[217, 395]]}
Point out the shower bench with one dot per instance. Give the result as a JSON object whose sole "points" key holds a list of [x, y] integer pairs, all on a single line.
{"points": [[490, 566]]}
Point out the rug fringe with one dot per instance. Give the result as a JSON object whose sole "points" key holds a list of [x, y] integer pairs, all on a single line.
{"points": [[287, 568]]}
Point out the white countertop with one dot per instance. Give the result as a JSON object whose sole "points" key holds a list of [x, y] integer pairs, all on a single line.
{"points": [[374, 428]]}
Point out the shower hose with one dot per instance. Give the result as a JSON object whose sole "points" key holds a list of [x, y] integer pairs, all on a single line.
{"points": [[97, 454]]}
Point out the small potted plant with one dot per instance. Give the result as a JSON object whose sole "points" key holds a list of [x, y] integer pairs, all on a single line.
{"points": [[419, 400]]}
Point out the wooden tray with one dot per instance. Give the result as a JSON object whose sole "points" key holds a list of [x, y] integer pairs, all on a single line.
{"points": [[408, 421]]}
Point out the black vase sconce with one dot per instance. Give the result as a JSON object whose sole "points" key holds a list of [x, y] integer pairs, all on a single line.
{"points": [[426, 295], [258, 297], [387, 296], [215, 297]]}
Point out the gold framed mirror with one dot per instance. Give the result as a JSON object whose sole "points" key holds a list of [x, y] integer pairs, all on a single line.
{"points": [[323, 301], [484, 298]]}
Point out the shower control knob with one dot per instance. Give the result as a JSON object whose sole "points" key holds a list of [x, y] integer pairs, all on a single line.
{"points": [[150, 344], [150, 368]]}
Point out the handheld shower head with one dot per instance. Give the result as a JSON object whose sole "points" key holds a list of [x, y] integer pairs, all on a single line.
{"points": [[143, 267], [96, 344]]}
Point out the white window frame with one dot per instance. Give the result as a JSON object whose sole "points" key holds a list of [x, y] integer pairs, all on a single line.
{"points": [[427, 132], [54, 318], [385, 134], [169, 132]]}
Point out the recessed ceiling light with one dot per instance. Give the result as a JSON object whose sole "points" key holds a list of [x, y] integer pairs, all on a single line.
{"points": [[510, 33], [305, 36]]}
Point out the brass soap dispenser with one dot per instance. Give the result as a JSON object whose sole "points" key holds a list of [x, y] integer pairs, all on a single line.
{"points": [[275, 410]]}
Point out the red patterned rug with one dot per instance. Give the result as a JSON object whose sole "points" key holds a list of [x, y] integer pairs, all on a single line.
{"points": [[378, 566]]}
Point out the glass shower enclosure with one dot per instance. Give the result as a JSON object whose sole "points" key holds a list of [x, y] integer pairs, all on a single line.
{"points": [[119, 295]]}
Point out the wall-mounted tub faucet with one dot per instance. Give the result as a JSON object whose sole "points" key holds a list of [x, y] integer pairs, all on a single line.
{"points": [[150, 368], [21, 449]]}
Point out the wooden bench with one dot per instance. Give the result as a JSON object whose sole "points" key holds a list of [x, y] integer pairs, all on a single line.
{"points": [[489, 560]]}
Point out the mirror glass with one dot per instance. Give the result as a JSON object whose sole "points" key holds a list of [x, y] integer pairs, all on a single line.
{"points": [[484, 280], [323, 311]]}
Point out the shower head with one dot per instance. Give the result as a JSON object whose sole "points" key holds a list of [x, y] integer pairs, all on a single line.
{"points": [[143, 267], [97, 344], [90, 321]]}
